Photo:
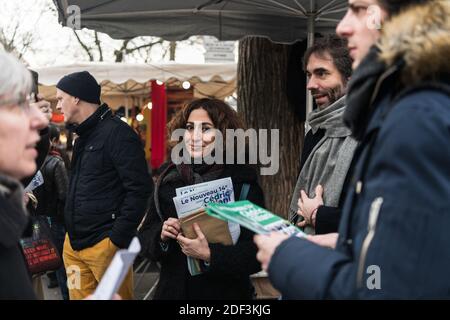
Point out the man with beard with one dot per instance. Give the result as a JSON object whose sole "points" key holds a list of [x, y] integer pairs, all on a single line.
{"points": [[328, 148]]}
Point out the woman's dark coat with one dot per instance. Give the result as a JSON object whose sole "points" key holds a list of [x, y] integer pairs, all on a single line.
{"points": [[228, 274]]}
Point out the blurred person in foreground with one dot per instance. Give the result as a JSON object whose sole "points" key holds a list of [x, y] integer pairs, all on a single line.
{"points": [[393, 236], [20, 122]]}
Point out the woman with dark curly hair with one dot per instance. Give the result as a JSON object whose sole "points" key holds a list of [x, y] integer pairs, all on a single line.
{"points": [[225, 268]]}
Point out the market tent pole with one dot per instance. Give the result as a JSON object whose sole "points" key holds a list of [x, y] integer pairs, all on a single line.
{"points": [[310, 42]]}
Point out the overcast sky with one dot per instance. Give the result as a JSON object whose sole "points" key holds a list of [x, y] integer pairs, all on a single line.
{"points": [[56, 45]]}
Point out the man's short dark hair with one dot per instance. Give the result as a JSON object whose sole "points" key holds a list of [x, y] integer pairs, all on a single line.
{"points": [[337, 48]]}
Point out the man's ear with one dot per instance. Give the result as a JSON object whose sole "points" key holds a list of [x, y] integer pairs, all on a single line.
{"points": [[77, 100], [346, 82]]}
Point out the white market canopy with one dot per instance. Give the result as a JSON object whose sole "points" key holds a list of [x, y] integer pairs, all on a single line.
{"points": [[140, 72], [214, 80]]}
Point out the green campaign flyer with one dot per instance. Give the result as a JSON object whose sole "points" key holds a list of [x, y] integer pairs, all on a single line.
{"points": [[252, 217]]}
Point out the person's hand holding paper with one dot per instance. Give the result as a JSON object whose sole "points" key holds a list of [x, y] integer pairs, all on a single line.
{"points": [[197, 248], [215, 230], [170, 229], [266, 246]]}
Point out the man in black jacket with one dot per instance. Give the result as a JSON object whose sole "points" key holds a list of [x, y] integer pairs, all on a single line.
{"points": [[109, 185]]}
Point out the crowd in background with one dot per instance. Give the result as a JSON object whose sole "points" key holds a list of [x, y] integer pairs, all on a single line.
{"points": [[372, 195]]}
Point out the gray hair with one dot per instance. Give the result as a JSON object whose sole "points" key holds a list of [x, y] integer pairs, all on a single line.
{"points": [[15, 79]]}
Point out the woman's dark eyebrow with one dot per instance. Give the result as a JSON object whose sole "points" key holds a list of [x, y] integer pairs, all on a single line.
{"points": [[203, 123]]}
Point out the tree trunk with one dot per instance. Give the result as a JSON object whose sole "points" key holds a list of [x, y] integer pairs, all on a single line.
{"points": [[262, 100]]}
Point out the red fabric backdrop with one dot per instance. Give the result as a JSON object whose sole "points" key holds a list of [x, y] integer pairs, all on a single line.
{"points": [[158, 125]]}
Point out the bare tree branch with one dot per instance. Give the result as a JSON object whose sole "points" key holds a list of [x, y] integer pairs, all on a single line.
{"points": [[130, 50], [124, 50], [10, 44], [119, 53], [88, 50], [166, 51], [97, 42], [17, 43]]}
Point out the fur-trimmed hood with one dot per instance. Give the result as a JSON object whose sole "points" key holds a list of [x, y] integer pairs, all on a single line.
{"points": [[421, 36]]}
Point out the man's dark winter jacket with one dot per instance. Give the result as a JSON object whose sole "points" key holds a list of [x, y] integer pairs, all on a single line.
{"points": [[394, 233], [110, 183]]}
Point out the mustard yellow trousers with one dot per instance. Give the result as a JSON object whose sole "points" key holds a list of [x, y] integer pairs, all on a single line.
{"points": [[86, 267]]}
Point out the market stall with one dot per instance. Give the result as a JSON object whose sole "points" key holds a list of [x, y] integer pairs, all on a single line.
{"points": [[127, 89]]}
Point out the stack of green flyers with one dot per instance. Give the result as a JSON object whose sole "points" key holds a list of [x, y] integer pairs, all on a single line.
{"points": [[252, 217]]}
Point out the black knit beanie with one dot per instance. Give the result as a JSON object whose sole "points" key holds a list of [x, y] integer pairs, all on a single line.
{"points": [[81, 85]]}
